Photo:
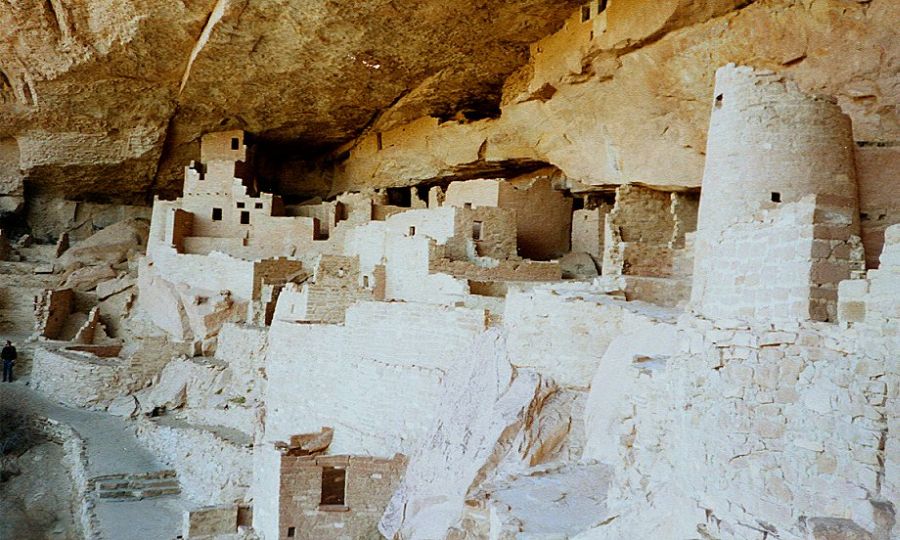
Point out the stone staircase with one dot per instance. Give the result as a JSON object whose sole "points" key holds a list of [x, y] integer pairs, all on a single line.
{"points": [[135, 486]]}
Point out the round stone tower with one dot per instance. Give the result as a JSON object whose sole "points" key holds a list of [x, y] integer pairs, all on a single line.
{"points": [[779, 174]]}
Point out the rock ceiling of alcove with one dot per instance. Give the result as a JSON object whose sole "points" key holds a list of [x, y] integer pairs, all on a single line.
{"points": [[109, 96]]}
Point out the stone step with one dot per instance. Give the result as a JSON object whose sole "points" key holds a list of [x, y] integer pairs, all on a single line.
{"points": [[135, 486]]}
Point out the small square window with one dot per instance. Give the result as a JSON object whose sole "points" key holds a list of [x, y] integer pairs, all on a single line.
{"points": [[217, 214], [292, 532], [235, 143], [776, 196], [240, 205], [258, 205], [245, 218], [467, 205]]}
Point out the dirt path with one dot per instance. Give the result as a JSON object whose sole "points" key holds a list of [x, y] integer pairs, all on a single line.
{"points": [[111, 449]]}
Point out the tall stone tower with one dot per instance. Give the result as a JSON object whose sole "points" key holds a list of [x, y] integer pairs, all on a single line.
{"points": [[779, 216]]}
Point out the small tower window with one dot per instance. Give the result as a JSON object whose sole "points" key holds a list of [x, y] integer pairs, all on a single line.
{"points": [[235, 143], [601, 5], [366, 282], [240, 205], [467, 205], [333, 486], [245, 218], [292, 532], [719, 99], [217, 214], [412, 231], [379, 140], [259, 205], [585, 13], [776, 196]]}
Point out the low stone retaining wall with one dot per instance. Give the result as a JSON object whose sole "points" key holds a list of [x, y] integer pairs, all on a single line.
{"points": [[75, 456], [212, 469], [77, 380]]}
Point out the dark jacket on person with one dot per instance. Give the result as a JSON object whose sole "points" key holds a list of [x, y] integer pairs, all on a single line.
{"points": [[9, 353]]}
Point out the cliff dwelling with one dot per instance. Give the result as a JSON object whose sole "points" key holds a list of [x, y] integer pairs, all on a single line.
{"points": [[522, 270]]}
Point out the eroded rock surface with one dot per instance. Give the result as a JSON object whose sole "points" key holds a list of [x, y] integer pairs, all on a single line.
{"points": [[107, 98]]}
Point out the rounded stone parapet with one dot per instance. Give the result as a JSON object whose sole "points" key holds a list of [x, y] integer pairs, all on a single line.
{"points": [[769, 142]]}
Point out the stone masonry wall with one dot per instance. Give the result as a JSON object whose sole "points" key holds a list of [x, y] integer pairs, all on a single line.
{"points": [[376, 379], [772, 146], [369, 484], [758, 432], [77, 380]]}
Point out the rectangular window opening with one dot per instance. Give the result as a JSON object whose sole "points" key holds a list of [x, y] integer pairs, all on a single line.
{"points": [[776, 196], [477, 229], [217, 214], [258, 206], [601, 5], [468, 205], [379, 140], [585, 13], [235, 143], [412, 231], [366, 282], [292, 532], [333, 486], [240, 205], [245, 218]]}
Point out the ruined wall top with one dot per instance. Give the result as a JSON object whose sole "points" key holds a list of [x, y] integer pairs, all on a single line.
{"points": [[223, 146]]}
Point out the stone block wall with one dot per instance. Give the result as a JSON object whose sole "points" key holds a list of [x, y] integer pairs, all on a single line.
{"points": [[752, 432], [211, 469], [273, 271], [377, 377], [369, 484], [874, 299], [52, 310], [77, 380], [325, 297], [645, 233], [587, 231], [181, 228], [780, 193], [877, 168], [563, 333]]}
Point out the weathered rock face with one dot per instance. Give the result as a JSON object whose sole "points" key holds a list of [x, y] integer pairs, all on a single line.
{"points": [[625, 96], [97, 97], [107, 100]]}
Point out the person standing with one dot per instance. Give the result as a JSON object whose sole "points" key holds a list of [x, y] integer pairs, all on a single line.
{"points": [[9, 356]]}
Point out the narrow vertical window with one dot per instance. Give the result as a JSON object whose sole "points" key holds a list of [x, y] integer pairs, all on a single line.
{"points": [[334, 482], [477, 230]]}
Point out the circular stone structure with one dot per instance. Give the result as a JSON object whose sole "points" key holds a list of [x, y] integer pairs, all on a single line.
{"points": [[779, 196]]}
